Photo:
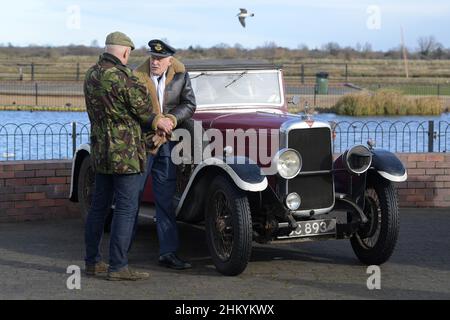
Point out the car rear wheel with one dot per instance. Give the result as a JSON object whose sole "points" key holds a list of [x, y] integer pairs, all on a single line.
{"points": [[86, 180], [375, 243], [86, 185], [228, 227]]}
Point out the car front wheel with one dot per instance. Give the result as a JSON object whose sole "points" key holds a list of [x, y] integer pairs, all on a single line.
{"points": [[375, 243], [228, 227]]}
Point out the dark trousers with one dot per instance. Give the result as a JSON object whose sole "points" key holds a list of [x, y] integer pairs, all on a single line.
{"points": [[163, 174], [125, 191]]}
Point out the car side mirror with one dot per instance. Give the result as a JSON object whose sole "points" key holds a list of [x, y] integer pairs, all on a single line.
{"points": [[295, 100]]}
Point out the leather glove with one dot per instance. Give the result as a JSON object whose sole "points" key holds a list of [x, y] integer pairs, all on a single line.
{"points": [[159, 140]]}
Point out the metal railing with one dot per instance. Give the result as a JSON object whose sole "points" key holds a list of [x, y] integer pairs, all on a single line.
{"points": [[69, 94], [395, 136], [309, 92], [369, 71], [304, 72], [59, 141], [24, 71], [63, 94], [41, 141]]}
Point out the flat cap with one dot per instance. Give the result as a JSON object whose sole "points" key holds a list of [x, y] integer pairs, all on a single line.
{"points": [[160, 49], [120, 39]]}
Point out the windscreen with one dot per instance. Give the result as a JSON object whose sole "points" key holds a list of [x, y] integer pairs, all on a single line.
{"points": [[237, 88]]}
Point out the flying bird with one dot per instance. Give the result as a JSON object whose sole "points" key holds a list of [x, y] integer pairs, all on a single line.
{"points": [[243, 14]]}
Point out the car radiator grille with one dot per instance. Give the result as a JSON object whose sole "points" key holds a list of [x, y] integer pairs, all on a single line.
{"points": [[314, 145]]}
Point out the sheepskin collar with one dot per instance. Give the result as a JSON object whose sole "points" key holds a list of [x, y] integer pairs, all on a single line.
{"points": [[143, 74], [176, 67]]}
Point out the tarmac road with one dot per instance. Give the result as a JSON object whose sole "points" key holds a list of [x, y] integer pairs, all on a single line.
{"points": [[34, 257]]}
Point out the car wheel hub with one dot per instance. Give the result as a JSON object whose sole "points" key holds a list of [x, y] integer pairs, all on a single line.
{"points": [[223, 236], [368, 237]]}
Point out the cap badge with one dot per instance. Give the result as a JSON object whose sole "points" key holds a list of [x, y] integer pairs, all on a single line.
{"points": [[158, 47]]}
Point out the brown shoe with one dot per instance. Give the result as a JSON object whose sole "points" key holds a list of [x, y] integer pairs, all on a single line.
{"points": [[126, 274], [95, 269]]}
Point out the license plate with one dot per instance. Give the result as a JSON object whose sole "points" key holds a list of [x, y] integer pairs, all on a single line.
{"points": [[313, 228]]}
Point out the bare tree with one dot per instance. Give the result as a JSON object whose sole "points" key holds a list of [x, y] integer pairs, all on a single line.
{"points": [[439, 52], [394, 53], [302, 47], [367, 48], [332, 48], [428, 45]]}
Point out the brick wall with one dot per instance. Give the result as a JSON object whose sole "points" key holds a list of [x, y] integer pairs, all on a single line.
{"points": [[31, 190], [428, 183], [34, 190]]}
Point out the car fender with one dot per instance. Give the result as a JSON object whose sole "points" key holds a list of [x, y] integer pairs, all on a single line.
{"points": [[388, 165], [81, 152], [246, 174]]}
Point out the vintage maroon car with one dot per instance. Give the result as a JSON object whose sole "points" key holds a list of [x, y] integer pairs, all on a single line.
{"points": [[255, 172]]}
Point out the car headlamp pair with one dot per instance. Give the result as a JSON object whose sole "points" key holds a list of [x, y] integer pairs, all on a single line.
{"points": [[288, 164]]}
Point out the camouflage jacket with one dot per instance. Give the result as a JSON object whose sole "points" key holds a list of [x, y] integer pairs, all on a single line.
{"points": [[117, 105]]}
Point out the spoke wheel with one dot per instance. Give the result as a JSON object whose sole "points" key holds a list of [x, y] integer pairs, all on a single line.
{"points": [[228, 227], [223, 229], [372, 209], [375, 242]]}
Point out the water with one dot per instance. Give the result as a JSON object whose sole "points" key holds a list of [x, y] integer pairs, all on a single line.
{"points": [[394, 133], [26, 135], [34, 117], [338, 118]]}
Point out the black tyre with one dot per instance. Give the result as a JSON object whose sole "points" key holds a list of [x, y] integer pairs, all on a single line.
{"points": [[86, 180], [228, 227], [375, 244], [86, 185]]}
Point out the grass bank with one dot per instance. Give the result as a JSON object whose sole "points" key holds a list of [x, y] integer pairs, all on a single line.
{"points": [[387, 102]]}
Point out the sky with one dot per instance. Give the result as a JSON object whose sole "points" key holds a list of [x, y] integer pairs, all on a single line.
{"points": [[184, 23]]}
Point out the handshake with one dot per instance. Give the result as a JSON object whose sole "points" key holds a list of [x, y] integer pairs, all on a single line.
{"points": [[165, 125]]}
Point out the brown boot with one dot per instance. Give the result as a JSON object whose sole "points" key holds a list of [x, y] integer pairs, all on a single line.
{"points": [[126, 274], [95, 269]]}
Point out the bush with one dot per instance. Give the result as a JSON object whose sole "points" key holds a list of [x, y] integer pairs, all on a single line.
{"points": [[429, 105], [387, 102]]}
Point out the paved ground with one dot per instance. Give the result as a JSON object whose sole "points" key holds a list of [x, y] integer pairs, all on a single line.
{"points": [[34, 257]]}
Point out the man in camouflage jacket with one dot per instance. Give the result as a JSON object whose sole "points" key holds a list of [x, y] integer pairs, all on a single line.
{"points": [[117, 105]]}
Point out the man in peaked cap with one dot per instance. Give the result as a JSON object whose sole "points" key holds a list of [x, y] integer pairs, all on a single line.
{"points": [[118, 106], [173, 99], [159, 48]]}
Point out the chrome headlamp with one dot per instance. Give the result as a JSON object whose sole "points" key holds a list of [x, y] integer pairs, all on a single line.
{"points": [[293, 201], [357, 159], [288, 163]]}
